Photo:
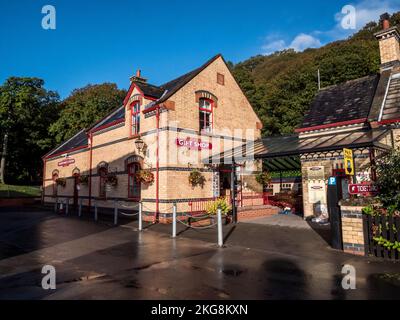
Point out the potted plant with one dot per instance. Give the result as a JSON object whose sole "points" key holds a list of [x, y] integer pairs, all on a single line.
{"points": [[264, 178], [196, 178], [145, 176], [84, 179], [112, 179], [61, 182]]}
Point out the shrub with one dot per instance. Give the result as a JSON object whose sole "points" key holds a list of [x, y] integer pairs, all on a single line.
{"points": [[263, 178], [220, 203]]}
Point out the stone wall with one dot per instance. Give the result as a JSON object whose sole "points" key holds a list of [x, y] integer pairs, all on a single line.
{"points": [[352, 230]]}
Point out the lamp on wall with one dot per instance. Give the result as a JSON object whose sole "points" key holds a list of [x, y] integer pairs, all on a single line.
{"points": [[140, 145]]}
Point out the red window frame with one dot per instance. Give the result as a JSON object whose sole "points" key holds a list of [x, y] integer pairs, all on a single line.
{"points": [[102, 182], [203, 112], [135, 117], [133, 184], [55, 177]]}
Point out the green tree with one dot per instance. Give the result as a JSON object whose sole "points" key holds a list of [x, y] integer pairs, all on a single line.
{"points": [[84, 107], [26, 111], [388, 179]]}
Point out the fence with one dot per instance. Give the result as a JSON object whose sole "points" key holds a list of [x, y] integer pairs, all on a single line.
{"points": [[382, 236], [245, 199]]}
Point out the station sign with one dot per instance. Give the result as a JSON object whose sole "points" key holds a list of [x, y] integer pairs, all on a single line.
{"points": [[363, 189], [66, 162], [348, 161], [193, 144]]}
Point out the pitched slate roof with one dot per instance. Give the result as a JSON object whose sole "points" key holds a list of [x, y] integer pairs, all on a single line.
{"points": [[78, 140], [149, 89], [391, 107], [349, 101], [171, 87]]}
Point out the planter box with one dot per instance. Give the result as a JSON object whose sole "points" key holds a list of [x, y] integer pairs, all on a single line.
{"points": [[353, 230]]}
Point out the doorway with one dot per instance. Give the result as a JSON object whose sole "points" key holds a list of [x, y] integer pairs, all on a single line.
{"points": [[76, 190]]}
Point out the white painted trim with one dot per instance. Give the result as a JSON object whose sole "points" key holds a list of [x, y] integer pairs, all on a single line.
{"points": [[384, 99]]}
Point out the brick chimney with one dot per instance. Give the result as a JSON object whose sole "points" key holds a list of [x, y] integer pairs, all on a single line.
{"points": [[138, 77], [389, 46]]}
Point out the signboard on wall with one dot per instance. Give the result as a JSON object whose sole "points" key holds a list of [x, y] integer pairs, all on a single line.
{"points": [[363, 189], [66, 162], [316, 173], [216, 185], [193, 144], [348, 162]]}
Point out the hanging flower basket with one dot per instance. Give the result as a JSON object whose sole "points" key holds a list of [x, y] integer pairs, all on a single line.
{"points": [[196, 178], [112, 180], [61, 182], [145, 176], [263, 178], [84, 179]]}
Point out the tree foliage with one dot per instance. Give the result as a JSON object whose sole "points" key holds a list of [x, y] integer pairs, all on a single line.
{"points": [[26, 110], [282, 85], [84, 107]]}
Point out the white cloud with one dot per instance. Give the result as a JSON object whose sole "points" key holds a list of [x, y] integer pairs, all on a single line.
{"points": [[301, 42], [304, 41], [366, 11]]}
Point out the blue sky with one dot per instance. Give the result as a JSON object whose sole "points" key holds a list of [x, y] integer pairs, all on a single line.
{"points": [[106, 41]]}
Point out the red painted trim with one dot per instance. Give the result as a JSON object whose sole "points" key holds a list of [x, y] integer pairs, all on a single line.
{"points": [[388, 121], [331, 125], [113, 123], [157, 166], [67, 151], [90, 170], [44, 179], [132, 86], [131, 134], [209, 111]]}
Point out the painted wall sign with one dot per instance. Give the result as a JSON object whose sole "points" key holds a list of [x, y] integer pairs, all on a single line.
{"points": [[348, 162], [363, 189], [316, 173], [66, 162], [194, 144]]}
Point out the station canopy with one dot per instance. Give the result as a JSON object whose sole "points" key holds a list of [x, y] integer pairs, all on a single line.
{"points": [[282, 153]]}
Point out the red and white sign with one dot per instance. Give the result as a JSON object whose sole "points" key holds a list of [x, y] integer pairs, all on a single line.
{"points": [[194, 144], [66, 162], [363, 189]]}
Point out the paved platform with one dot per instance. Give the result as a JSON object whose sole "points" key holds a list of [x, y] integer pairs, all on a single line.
{"points": [[99, 261]]}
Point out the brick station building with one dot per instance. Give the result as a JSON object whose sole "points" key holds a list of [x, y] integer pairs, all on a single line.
{"points": [[362, 115], [166, 129]]}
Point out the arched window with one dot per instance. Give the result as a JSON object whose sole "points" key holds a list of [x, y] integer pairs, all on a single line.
{"points": [[206, 114], [134, 186], [54, 177], [103, 172], [135, 117]]}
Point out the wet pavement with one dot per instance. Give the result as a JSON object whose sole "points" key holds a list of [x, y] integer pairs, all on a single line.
{"points": [[100, 261]]}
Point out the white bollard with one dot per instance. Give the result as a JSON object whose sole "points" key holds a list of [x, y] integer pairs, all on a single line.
{"points": [[115, 213], [95, 210], [80, 207], [140, 217], [220, 235], [174, 221]]}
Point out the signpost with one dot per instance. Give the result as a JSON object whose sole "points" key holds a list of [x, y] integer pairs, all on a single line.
{"points": [[363, 189], [66, 162], [348, 161], [194, 144]]}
